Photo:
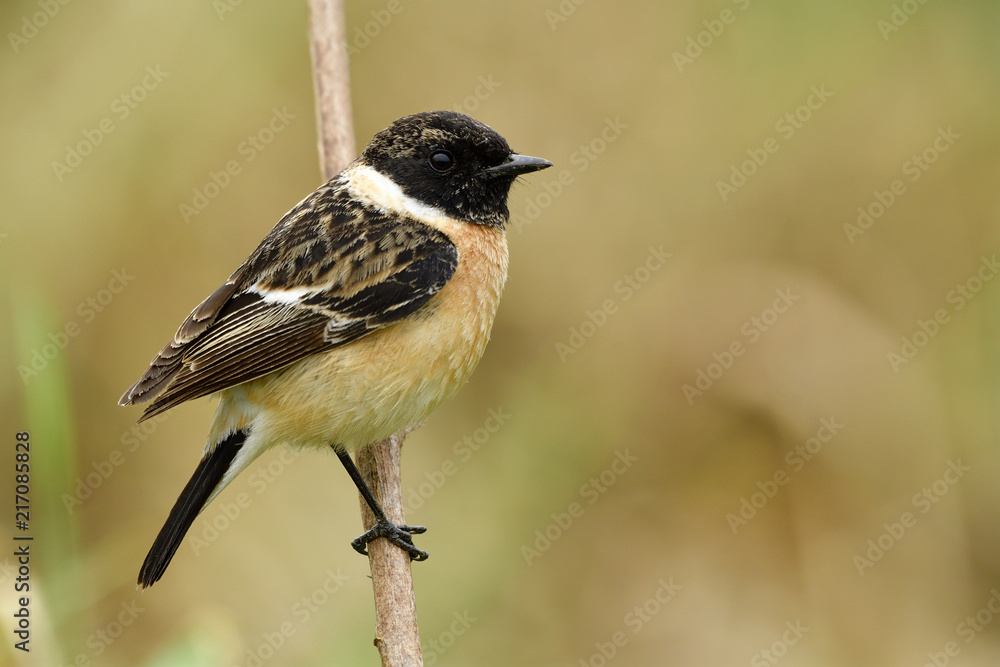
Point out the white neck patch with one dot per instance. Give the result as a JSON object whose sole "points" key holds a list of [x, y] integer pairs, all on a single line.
{"points": [[366, 183]]}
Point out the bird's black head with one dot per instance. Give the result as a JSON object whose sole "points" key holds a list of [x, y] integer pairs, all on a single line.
{"points": [[452, 162]]}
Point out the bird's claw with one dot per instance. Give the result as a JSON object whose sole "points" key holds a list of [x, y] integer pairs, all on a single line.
{"points": [[401, 536]]}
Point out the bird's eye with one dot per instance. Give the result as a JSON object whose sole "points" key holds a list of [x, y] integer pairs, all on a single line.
{"points": [[442, 161]]}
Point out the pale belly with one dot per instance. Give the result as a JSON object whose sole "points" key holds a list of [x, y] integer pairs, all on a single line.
{"points": [[371, 389]]}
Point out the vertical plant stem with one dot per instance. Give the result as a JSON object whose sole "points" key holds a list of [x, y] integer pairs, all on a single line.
{"points": [[332, 83], [397, 635]]}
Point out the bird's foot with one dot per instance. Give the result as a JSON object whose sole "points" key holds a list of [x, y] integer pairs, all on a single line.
{"points": [[401, 536]]}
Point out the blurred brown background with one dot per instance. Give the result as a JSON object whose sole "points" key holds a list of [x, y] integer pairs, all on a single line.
{"points": [[776, 445]]}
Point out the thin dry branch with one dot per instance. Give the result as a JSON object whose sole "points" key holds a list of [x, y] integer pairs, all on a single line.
{"points": [[397, 635], [331, 80]]}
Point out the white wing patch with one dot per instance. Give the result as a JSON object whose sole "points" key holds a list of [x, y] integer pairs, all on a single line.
{"points": [[288, 297]]}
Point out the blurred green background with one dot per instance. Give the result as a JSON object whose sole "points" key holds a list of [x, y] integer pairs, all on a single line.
{"points": [[778, 444]]}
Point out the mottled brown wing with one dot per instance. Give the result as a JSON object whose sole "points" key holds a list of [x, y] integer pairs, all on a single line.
{"points": [[165, 365], [326, 275]]}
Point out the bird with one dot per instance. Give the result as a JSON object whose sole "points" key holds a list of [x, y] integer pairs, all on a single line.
{"points": [[368, 305]]}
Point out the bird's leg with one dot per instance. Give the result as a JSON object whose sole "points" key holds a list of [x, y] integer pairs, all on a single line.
{"points": [[401, 536]]}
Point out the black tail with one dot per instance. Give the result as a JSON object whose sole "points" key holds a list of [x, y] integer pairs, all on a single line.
{"points": [[188, 505]]}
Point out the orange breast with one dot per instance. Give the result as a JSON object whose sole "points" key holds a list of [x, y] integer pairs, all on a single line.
{"points": [[395, 377]]}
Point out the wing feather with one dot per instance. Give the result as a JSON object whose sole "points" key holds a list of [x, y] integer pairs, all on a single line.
{"points": [[329, 272]]}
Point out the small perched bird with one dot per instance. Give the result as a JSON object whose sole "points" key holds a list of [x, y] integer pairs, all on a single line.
{"points": [[366, 306]]}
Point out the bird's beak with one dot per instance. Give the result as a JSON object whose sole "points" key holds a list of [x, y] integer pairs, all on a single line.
{"points": [[517, 165]]}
